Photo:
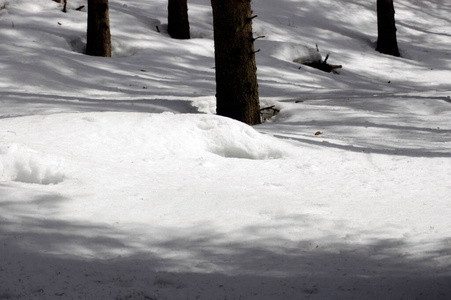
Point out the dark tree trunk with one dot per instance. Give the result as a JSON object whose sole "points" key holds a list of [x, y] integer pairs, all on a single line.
{"points": [[178, 24], [386, 28], [99, 38], [236, 70]]}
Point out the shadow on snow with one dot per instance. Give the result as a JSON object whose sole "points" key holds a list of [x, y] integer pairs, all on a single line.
{"points": [[48, 258]]}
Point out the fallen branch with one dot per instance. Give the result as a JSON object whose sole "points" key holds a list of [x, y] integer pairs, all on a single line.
{"points": [[323, 65], [268, 112]]}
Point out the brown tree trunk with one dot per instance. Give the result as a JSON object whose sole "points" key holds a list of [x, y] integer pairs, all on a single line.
{"points": [[178, 23], [236, 70], [99, 38], [386, 28]]}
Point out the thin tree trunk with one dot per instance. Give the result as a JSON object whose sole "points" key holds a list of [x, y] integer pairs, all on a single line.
{"points": [[236, 70], [178, 23], [386, 28], [99, 38]]}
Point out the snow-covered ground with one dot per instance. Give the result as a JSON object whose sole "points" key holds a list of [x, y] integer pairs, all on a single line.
{"points": [[118, 181]]}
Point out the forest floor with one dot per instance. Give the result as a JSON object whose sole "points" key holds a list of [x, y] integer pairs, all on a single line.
{"points": [[118, 181]]}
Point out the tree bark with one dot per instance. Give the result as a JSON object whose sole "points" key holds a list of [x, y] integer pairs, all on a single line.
{"points": [[99, 37], [236, 70], [386, 28], [178, 23]]}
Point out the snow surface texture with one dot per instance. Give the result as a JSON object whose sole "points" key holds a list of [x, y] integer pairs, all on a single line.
{"points": [[118, 181]]}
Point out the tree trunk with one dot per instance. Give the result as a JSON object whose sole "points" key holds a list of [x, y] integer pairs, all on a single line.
{"points": [[178, 24], [236, 70], [99, 38], [386, 28]]}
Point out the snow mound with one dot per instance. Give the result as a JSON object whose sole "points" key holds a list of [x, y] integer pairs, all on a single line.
{"points": [[293, 52], [21, 164], [111, 138], [232, 139], [192, 135]]}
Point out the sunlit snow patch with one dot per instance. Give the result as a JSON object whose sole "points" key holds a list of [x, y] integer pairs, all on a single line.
{"points": [[18, 163], [177, 136]]}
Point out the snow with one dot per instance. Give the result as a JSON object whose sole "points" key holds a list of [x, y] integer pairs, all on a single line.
{"points": [[118, 181]]}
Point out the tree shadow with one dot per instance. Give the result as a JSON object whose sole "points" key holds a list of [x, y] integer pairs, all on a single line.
{"points": [[405, 141], [43, 257], [169, 71], [329, 26], [51, 103], [367, 122]]}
